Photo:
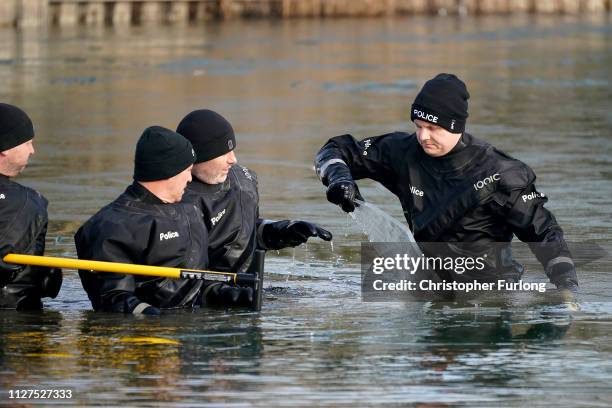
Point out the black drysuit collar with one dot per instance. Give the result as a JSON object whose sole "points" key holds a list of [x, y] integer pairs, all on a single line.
{"points": [[205, 188], [139, 192]]}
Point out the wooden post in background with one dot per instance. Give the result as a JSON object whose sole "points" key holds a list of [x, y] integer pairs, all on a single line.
{"points": [[8, 13], [31, 13]]}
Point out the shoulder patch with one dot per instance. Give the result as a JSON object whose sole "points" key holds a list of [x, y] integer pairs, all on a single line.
{"points": [[515, 175], [246, 173]]}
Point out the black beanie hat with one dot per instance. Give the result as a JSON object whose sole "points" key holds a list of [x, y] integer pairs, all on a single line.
{"points": [[443, 102], [161, 154], [15, 127], [210, 134]]}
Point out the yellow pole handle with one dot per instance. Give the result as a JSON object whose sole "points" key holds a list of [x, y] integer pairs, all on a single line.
{"points": [[117, 267]]}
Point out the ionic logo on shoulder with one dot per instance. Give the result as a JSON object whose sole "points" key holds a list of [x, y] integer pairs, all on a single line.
{"points": [[168, 235], [491, 179], [2, 196]]}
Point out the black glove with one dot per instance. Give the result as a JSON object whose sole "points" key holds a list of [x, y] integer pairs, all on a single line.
{"points": [[8, 271], [563, 275], [10, 267], [221, 294], [146, 309], [52, 282], [151, 311], [341, 189], [283, 234], [344, 193], [131, 304]]}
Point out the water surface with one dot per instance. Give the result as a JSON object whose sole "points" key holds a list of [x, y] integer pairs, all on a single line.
{"points": [[541, 91]]}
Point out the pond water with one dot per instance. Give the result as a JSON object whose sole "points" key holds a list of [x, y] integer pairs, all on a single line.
{"points": [[541, 90]]}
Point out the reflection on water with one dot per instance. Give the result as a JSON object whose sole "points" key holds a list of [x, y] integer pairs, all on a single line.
{"points": [[540, 90]]}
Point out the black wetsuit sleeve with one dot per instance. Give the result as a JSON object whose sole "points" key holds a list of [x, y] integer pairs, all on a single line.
{"points": [[117, 290], [109, 292], [368, 158], [23, 220], [533, 224], [259, 233]]}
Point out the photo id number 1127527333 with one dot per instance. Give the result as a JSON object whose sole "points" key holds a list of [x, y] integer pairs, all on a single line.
{"points": [[40, 394]]}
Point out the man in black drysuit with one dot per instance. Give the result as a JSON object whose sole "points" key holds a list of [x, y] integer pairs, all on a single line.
{"points": [[23, 219], [453, 187], [148, 224], [228, 196]]}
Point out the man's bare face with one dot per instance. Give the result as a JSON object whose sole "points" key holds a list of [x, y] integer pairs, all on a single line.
{"points": [[176, 185], [16, 158], [214, 171], [435, 140]]}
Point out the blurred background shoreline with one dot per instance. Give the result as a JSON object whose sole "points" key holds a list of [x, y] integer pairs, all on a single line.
{"points": [[28, 13]]}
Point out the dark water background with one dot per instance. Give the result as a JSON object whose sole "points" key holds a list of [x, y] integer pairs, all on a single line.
{"points": [[541, 90]]}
